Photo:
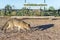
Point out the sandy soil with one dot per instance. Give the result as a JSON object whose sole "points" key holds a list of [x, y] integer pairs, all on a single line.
{"points": [[43, 29]]}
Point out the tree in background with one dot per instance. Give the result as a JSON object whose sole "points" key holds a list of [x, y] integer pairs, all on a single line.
{"points": [[51, 8], [52, 11], [23, 12], [59, 11], [8, 10]]}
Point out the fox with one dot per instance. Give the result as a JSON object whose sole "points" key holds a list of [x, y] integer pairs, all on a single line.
{"points": [[14, 22]]}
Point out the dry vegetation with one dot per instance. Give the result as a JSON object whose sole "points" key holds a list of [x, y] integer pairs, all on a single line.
{"points": [[43, 29]]}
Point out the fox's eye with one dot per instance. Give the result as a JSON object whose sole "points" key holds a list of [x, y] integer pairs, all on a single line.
{"points": [[28, 24]]}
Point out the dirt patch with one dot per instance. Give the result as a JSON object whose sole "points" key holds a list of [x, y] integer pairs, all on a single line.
{"points": [[42, 30]]}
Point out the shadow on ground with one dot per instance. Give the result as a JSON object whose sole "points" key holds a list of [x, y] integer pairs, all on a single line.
{"points": [[39, 27], [42, 27]]}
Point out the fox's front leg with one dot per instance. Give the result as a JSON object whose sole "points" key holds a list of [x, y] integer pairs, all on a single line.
{"points": [[9, 27], [20, 29]]}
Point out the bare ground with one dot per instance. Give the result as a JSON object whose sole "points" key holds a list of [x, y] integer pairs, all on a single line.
{"points": [[43, 29]]}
